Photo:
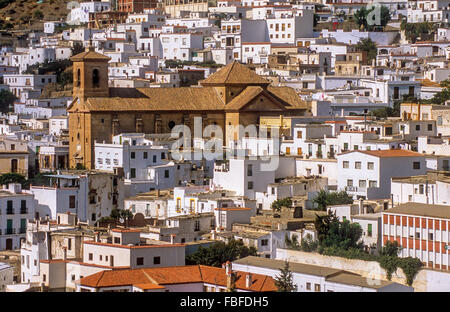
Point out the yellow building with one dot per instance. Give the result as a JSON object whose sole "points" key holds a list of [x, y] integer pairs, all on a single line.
{"points": [[14, 162], [234, 95]]}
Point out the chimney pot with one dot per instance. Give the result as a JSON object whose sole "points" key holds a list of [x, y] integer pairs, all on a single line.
{"points": [[248, 280]]}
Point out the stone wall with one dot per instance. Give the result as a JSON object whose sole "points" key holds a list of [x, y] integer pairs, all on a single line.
{"points": [[425, 281]]}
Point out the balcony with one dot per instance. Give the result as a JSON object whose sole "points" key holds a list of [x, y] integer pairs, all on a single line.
{"points": [[9, 211], [10, 231], [23, 210], [351, 188], [22, 230]]}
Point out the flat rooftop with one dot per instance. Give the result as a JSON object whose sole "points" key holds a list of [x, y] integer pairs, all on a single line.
{"points": [[423, 210]]}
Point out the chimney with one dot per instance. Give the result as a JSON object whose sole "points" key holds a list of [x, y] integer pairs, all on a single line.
{"points": [[228, 268], [248, 280]]}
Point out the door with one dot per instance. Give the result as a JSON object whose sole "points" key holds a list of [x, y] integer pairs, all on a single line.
{"points": [[9, 226], [9, 245], [14, 165]]}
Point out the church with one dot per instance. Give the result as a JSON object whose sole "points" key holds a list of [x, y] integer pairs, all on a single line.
{"points": [[234, 95]]}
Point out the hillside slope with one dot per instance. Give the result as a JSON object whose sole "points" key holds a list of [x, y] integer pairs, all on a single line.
{"points": [[26, 14]]}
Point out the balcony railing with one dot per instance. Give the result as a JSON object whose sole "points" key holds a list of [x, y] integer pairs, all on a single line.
{"points": [[22, 230], [351, 188], [9, 211], [10, 231], [23, 210]]}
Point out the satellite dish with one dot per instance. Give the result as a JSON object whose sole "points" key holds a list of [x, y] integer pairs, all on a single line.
{"points": [[121, 220]]}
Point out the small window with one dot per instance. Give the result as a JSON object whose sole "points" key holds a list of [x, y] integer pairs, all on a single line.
{"points": [[116, 240], [370, 165], [345, 164], [416, 165], [91, 256], [357, 165], [308, 286], [166, 174], [316, 287], [430, 127], [140, 261], [250, 185], [156, 260], [417, 127], [133, 155], [145, 155]]}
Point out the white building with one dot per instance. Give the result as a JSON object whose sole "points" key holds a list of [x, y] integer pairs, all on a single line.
{"points": [[313, 278], [367, 174], [16, 208]]}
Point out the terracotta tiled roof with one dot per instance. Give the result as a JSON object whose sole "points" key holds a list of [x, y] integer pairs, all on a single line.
{"points": [[125, 230], [158, 277], [235, 73], [89, 54]]}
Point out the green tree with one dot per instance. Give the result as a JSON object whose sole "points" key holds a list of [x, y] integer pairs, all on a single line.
{"points": [[285, 280], [343, 235], [115, 214], [323, 223], [220, 252], [7, 178], [442, 96], [366, 44], [325, 198], [367, 19], [285, 202], [6, 100], [391, 249], [38, 14]]}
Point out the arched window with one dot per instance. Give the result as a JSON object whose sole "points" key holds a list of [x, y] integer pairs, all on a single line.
{"points": [[78, 77], [96, 78]]}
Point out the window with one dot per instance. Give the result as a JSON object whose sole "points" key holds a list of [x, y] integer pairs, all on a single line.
{"points": [[308, 286], [249, 170], [316, 287], [357, 165], [417, 127], [372, 183], [299, 133], [370, 165], [73, 277], [72, 201], [156, 260], [345, 146], [264, 242], [362, 183], [197, 225], [93, 217], [421, 189], [345, 164], [133, 155], [132, 173], [96, 78], [91, 256], [430, 236], [140, 261], [116, 240], [430, 127], [69, 244], [166, 174], [349, 182], [416, 165], [44, 278], [145, 155], [355, 147], [250, 185], [154, 158], [417, 235], [369, 230]]}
